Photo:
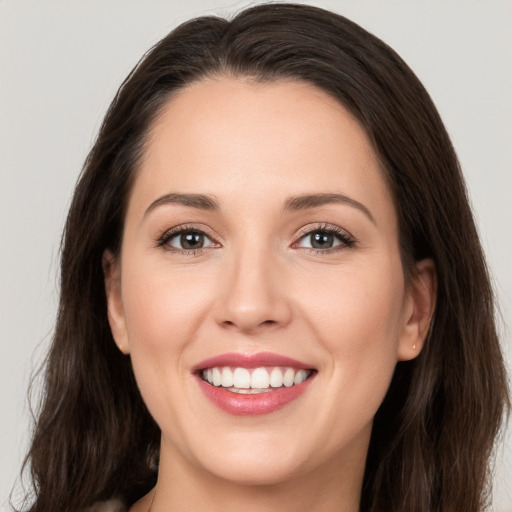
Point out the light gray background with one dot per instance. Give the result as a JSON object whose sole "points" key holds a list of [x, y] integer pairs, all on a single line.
{"points": [[60, 65]]}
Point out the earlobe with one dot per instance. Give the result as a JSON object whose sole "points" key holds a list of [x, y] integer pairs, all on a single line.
{"points": [[115, 311], [420, 307]]}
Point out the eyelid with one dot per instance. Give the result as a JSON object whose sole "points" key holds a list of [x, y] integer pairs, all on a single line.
{"points": [[322, 226], [347, 239], [170, 233]]}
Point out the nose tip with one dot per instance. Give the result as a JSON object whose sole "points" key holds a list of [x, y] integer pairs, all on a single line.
{"points": [[250, 320], [253, 299]]}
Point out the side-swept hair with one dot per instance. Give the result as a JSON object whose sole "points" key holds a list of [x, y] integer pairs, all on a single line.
{"points": [[433, 436]]}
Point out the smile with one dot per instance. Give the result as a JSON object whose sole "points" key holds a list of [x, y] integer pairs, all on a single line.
{"points": [[252, 381], [245, 385]]}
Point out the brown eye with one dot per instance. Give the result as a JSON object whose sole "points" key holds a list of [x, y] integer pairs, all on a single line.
{"points": [[324, 239], [321, 240], [189, 240]]}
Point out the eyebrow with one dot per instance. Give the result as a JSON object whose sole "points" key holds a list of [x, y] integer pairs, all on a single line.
{"points": [[295, 203], [306, 201], [200, 201]]}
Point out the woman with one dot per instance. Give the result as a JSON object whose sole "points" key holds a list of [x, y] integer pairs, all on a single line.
{"points": [[278, 297]]}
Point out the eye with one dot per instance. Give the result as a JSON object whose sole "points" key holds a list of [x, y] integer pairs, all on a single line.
{"points": [[320, 240], [186, 240], [189, 240], [325, 239]]}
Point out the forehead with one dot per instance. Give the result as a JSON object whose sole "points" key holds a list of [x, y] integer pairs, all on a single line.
{"points": [[244, 139]]}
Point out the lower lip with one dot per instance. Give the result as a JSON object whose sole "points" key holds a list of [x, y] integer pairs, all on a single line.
{"points": [[239, 404]]}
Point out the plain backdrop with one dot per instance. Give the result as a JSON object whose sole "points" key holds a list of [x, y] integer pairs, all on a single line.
{"points": [[60, 65]]}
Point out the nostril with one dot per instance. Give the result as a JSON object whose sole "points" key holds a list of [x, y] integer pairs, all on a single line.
{"points": [[269, 323]]}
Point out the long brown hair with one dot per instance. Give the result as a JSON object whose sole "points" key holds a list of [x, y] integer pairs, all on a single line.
{"points": [[433, 436]]}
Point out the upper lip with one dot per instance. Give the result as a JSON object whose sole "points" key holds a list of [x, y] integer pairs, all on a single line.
{"points": [[237, 359]]}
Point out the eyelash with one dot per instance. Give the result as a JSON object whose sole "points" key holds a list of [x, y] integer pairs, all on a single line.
{"points": [[346, 239], [164, 240]]}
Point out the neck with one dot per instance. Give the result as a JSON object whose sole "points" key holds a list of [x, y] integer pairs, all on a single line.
{"points": [[181, 485]]}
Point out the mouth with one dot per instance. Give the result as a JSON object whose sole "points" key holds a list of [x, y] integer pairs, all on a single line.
{"points": [[253, 381], [256, 384]]}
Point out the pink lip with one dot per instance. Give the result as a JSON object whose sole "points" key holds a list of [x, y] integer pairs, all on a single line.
{"points": [[250, 361], [250, 405]]}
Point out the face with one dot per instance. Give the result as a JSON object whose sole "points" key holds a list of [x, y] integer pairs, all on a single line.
{"points": [[259, 289]]}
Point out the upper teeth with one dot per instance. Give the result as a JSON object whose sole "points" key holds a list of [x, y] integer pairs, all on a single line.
{"points": [[257, 378]]}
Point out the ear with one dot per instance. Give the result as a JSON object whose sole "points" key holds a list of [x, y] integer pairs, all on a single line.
{"points": [[115, 310], [419, 309]]}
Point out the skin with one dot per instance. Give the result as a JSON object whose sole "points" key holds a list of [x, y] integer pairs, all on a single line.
{"points": [[257, 286]]}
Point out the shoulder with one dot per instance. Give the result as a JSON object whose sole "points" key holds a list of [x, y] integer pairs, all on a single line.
{"points": [[108, 506]]}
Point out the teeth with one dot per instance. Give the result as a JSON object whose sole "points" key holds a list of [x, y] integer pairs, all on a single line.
{"points": [[241, 378], [217, 377], [300, 376], [276, 378], [249, 391], [258, 380], [289, 377], [227, 377]]}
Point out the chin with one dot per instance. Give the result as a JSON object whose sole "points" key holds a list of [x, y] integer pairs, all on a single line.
{"points": [[254, 461], [265, 473]]}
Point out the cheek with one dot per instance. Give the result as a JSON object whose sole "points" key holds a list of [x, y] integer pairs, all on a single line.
{"points": [[162, 310], [162, 306], [358, 309], [357, 318]]}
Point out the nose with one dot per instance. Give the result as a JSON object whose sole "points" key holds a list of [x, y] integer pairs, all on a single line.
{"points": [[253, 295]]}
